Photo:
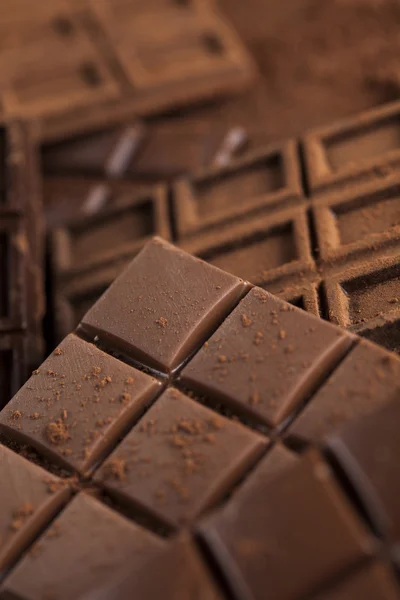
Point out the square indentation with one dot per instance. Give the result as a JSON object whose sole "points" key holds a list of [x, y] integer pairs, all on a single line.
{"points": [[361, 148], [372, 295], [117, 229], [220, 193], [260, 250], [352, 222], [363, 144], [252, 256], [128, 215], [265, 180], [367, 216]]}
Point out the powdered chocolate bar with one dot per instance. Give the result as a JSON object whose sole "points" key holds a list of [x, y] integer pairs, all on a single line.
{"points": [[171, 407]]}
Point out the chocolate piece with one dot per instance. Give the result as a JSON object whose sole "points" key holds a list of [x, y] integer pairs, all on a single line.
{"points": [[77, 404], [164, 458], [261, 338], [356, 149], [21, 257], [359, 220], [299, 523], [87, 540], [30, 498], [179, 460], [367, 452], [261, 249], [87, 68], [262, 181], [367, 379], [373, 582], [171, 312], [180, 574], [157, 150], [105, 153], [128, 218], [277, 460]]}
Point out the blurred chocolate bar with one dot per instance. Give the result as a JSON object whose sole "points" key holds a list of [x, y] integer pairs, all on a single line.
{"points": [[106, 62], [21, 257]]}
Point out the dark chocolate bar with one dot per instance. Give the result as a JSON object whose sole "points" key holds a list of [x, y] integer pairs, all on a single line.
{"points": [[182, 404], [21, 258], [158, 149]]}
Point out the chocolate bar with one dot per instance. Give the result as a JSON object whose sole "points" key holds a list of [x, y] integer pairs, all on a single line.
{"points": [[107, 62], [21, 257], [151, 151], [162, 433]]}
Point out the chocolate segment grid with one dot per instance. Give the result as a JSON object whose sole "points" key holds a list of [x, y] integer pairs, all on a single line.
{"points": [[149, 451], [21, 256]]}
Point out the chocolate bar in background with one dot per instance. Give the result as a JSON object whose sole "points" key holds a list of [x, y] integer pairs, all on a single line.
{"points": [[98, 226], [22, 302], [333, 253], [154, 150], [355, 150], [108, 62], [169, 429]]}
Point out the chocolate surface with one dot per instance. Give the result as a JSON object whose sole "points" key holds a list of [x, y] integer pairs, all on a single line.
{"points": [[367, 452], [266, 358], [180, 572], [199, 453], [266, 533], [30, 497], [77, 404], [82, 549], [375, 582], [367, 379], [175, 309], [291, 185], [179, 459]]}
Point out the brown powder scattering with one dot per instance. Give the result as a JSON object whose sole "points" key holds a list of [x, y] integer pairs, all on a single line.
{"points": [[394, 300], [246, 322], [162, 321], [35, 416], [259, 337], [16, 415], [96, 371], [282, 334], [125, 398], [130, 381], [36, 372], [115, 468], [254, 399], [57, 432], [64, 414], [105, 381], [289, 349], [21, 515], [222, 358], [58, 352]]}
